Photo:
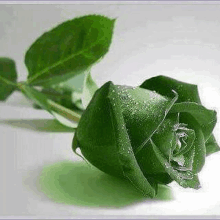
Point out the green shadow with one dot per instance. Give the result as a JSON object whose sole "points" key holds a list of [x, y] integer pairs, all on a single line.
{"points": [[43, 125], [78, 183]]}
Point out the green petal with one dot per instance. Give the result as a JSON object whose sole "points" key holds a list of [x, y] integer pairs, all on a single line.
{"points": [[162, 178], [205, 117], [148, 161], [211, 145], [189, 158], [164, 137], [143, 111], [194, 182], [164, 86], [127, 158], [95, 135], [184, 179], [199, 143], [75, 146], [189, 142], [104, 141]]}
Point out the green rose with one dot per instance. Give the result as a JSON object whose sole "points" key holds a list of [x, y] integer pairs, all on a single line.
{"points": [[155, 133]]}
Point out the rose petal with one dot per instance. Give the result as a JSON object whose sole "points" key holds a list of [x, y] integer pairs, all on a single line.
{"points": [[189, 141], [143, 111], [104, 141], [164, 86], [164, 137], [199, 143], [205, 117], [211, 145], [95, 134], [127, 160], [184, 179]]}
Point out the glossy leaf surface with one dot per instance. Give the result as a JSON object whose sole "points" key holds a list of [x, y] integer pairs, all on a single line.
{"points": [[8, 77], [69, 49]]}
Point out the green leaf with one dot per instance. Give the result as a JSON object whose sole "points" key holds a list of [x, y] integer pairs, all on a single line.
{"points": [[205, 117], [81, 95], [211, 145], [73, 84], [76, 98], [69, 49], [164, 86], [68, 93], [63, 115], [8, 77], [89, 89]]}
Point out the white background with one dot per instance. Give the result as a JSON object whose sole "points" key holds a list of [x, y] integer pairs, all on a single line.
{"points": [[181, 40]]}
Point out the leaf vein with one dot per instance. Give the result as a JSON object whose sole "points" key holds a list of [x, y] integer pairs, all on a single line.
{"points": [[61, 62]]}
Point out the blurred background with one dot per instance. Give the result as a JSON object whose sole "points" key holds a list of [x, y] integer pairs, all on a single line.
{"points": [[176, 39]]}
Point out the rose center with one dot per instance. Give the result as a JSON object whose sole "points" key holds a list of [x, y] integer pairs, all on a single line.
{"points": [[181, 135], [182, 143]]}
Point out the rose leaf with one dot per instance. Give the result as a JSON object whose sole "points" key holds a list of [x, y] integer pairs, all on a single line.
{"points": [[69, 49], [8, 77]]}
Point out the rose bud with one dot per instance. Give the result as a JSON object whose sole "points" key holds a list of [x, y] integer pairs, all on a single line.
{"points": [[153, 134]]}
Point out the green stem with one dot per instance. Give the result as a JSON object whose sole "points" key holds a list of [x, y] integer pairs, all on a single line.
{"points": [[49, 104], [54, 95], [65, 112]]}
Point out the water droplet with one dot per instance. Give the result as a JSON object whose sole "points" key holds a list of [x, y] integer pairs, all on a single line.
{"points": [[183, 184]]}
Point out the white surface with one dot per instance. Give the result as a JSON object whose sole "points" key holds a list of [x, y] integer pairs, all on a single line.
{"points": [[181, 41]]}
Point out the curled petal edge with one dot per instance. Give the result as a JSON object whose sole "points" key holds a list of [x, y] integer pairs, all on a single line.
{"points": [[166, 112]]}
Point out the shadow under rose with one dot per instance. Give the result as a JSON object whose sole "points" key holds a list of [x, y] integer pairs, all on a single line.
{"points": [[78, 183]]}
